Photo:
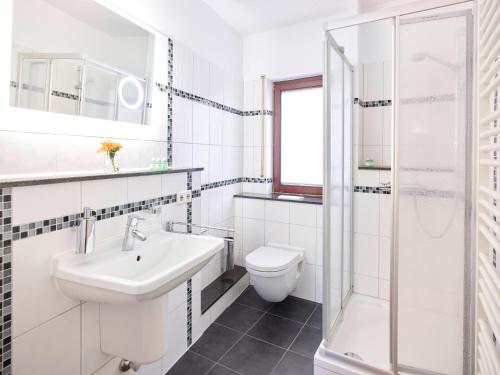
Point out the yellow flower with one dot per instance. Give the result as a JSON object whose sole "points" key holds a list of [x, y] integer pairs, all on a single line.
{"points": [[109, 147]]}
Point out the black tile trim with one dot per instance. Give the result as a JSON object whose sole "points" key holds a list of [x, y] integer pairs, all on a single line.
{"points": [[256, 180], [199, 99], [189, 229], [37, 228], [170, 102], [373, 103], [6, 280], [372, 189]]}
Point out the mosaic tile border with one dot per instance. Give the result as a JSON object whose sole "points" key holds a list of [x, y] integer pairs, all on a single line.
{"points": [[22, 231], [167, 88], [372, 189], [6, 281], [189, 229], [257, 180], [429, 99], [373, 103], [170, 102]]}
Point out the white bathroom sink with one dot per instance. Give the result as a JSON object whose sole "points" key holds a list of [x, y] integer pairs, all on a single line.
{"points": [[152, 269]]}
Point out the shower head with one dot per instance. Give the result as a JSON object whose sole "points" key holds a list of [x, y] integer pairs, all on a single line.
{"points": [[421, 56]]}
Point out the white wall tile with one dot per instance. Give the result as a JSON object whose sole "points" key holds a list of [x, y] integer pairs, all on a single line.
{"points": [[253, 234], [366, 213], [182, 120], [306, 287], [254, 209], [277, 211], [303, 214], [37, 352], [366, 254], [319, 246], [216, 126], [366, 285], [33, 203], [384, 289], [37, 298], [92, 357], [145, 187], [173, 183], [385, 215], [176, 336], [277, 232], [216, 84], [214, 206], [215, 169], [201, 77], [319, 216], [201, 123], [104, 193], [304, 237], [182, 155], [201, 159]]}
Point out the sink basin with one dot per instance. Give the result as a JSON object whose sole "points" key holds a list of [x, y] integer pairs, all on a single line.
{"points": [[153, 268], [131, 288]]}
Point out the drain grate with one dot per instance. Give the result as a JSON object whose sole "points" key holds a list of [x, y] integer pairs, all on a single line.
{"points": [[353, 355]]}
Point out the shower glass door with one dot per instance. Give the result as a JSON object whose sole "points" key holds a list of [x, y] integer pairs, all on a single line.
{"points": [[337, 196], [434, 125]]}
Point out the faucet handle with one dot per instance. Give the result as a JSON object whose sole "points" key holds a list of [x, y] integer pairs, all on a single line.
{"points": [[133, 219]]}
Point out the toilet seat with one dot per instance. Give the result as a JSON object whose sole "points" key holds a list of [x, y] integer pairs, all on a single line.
{"points": [[273, 258]]}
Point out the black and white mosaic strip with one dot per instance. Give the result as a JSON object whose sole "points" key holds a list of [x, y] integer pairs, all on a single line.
{"points": [[372, 189], [65, 95], [37, 228], [199, 99], [257, 180], [6, 281], [372, 103], [189, 312], [429, 99], [170, 101], [189, 221]]}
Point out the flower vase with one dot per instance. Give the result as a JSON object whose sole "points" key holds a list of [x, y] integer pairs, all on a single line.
{"points": [[111, 163]]}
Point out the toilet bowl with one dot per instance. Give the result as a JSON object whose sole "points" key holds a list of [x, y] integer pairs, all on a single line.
{"points": [[275, 270]]}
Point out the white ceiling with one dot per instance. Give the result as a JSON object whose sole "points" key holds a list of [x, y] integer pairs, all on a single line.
{"points": [[252, 16], [99, 17]]}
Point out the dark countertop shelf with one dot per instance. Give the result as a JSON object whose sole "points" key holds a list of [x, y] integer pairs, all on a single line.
{"points": [[308, 199], [62, 178], [217, 288]]}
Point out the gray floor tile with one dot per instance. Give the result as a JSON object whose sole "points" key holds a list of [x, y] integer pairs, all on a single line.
{"points": [[191, 364], [219, 370], [239, 317], [294, 308], [276, 330], [252, 357], [307, 342], [215, 341], [316, 319], [250, 298], [294, 364]]}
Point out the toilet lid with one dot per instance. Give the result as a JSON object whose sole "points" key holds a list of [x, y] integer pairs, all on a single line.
{"points": [[269, 259]]}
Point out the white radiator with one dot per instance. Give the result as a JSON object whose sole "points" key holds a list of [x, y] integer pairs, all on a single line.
{"points": [[488, 269]]}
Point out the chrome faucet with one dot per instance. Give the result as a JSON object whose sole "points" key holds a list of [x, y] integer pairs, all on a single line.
{"points": [[86, 232], [131, 233]]}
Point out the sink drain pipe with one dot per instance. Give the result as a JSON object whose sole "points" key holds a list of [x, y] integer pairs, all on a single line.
{"points": [[126, 365]]}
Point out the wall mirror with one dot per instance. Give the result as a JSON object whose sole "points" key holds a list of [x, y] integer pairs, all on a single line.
{"points": [[82, 59], [369, 47]]}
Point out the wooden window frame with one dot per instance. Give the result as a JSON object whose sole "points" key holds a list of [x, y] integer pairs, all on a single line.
{"points": [[279, 87]]}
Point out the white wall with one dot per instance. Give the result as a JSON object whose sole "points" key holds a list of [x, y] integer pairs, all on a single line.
{"points": [[288, 52]]}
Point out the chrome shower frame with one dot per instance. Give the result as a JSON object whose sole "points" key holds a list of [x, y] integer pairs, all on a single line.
{"points": [[329, 329]]}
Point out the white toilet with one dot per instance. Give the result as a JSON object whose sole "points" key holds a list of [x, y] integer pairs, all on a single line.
{"points": [[275, 270]]}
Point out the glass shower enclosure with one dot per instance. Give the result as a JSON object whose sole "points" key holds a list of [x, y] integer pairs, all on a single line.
{"points": [[430, 304]]}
